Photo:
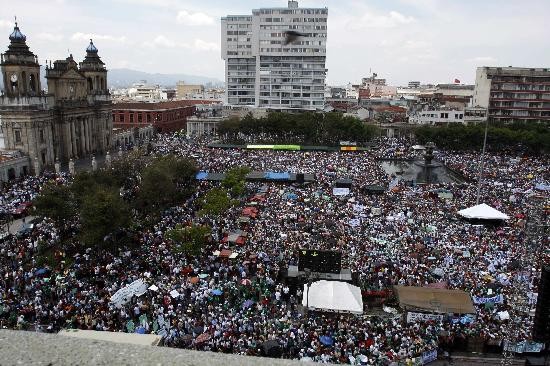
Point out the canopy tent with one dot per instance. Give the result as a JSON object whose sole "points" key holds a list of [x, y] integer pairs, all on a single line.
{"points": [[343, 183], [236, 238], [374, 189], [484, 212], [250, 212], [434, 300], [201, 175], [277, 176], [333, 296]]}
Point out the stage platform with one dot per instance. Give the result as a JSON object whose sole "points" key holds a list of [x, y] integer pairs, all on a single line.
{"points": [[344, 275]]}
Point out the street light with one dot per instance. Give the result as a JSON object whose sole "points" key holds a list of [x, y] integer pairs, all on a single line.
{"points": [[308, 278], [482, 162]]}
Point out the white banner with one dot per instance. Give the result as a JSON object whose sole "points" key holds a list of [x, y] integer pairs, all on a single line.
{"points": [[422, 317], [123, 296], [340, 191]]}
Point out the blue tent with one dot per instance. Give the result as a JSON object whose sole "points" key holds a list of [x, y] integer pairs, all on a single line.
{"points": [[217, 292], [277, 176], [201, 175]]}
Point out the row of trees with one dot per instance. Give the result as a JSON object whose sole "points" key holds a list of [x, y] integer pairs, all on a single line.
{"points": [[300, 128], [103, 203], [534, 137]]}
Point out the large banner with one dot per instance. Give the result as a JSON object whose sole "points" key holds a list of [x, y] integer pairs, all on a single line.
{"points": [[498, 299], [124, 295], [422, 317], [429, 356], [524, 347], [340, 191]]}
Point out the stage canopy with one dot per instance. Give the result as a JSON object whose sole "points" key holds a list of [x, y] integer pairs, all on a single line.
{"points": [[434, 300], [483, 212], [333, 296]]}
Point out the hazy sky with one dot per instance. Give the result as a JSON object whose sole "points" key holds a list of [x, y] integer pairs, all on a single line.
{"points": [[401, 40]]}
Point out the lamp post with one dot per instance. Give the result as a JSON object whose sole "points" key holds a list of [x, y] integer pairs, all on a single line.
{"points": [[309, 281], [482, 162]]}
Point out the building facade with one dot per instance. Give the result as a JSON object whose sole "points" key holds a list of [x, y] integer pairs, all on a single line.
{"points": [[72, 120], [184, 90], [164, 116], [261, 71], [513, 94], [13, 165], [132, 136]]}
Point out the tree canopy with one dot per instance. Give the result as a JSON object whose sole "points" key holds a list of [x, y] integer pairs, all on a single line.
{"points": [[97, 200], [535, 138], [189, 239], [302, 128]]}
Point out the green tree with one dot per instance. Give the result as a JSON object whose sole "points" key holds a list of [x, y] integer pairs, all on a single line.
{"points": [[86, 182], [165, 182], [189, 239], [235, 181], [103, 212], [56, 202], [215, 202]]}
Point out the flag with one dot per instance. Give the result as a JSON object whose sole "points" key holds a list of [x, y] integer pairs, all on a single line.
{"points": [[457, 81]]}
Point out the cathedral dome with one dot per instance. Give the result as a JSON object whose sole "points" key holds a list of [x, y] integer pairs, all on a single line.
{"points": [[91, 47], [16, 35]]}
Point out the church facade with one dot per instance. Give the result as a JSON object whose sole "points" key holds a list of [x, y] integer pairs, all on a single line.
{"points": [[72, 120]]}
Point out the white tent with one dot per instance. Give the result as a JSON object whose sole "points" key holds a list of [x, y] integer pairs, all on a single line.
{"points": [[333, 296], [484, 212]]}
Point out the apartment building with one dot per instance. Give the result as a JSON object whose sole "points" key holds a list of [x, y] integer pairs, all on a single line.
{"points": [[513, 94], [261, 71]]}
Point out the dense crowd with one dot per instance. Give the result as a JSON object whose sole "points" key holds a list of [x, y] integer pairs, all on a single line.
{"points": [[405, 236]]}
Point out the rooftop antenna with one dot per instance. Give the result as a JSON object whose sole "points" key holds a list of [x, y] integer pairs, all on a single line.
{"points": [[15, 17]]}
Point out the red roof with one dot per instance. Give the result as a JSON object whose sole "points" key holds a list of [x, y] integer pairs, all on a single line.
{"points": [[389, 108], [172, 104]]}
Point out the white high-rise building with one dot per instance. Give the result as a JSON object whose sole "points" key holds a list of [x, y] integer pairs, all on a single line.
{"points": [[261, 71]]}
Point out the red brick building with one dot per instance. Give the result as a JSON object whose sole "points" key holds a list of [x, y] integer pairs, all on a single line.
{"points": [[164, 116]]}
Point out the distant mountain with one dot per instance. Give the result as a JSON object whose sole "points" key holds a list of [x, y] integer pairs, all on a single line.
{"points": [[121, 78]]}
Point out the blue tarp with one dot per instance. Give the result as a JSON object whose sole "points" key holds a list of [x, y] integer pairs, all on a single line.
{"points": [[201, 175], [542, 187], [277, 176]]}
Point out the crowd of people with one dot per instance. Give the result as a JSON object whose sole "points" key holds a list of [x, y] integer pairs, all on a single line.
{"points": [[408, 235]]}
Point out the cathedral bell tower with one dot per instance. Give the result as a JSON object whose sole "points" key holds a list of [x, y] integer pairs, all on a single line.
{"points": [[20, 68], [94, 70]]}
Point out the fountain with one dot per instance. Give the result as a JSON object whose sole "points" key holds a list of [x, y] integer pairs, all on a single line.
{"points": [[428, 166], [421, 171]]}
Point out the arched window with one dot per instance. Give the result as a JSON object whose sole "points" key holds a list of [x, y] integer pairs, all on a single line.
{"points": [[32, 83], [24, 79], [97, 85], [90, 84]]}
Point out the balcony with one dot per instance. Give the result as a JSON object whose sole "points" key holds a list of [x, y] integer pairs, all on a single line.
{"points": [[43, 102]]}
